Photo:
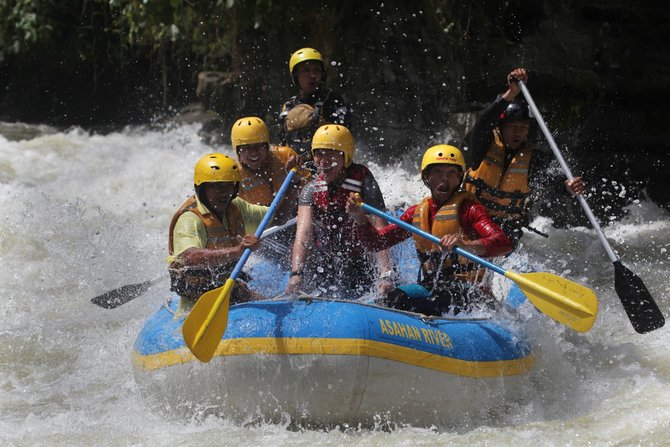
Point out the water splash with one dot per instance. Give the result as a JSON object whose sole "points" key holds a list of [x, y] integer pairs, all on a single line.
{"points": [[86, 213]]}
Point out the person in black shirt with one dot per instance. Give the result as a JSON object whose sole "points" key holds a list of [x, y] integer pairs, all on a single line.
{"points": [[314, 105], [505, 169]]}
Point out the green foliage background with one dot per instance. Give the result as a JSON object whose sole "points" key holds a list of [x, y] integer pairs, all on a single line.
{"points": [[410, 68], [149, 52]]}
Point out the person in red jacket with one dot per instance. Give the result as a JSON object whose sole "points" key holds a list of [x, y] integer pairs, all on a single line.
{"points": [[449, 282]]}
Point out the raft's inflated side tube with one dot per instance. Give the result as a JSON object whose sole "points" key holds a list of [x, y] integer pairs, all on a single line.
{"points": [[330, 362]]}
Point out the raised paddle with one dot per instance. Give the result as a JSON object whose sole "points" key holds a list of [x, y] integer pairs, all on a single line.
{"points": [[642, 311], [122, 295], [565, 301], [206, 324]]}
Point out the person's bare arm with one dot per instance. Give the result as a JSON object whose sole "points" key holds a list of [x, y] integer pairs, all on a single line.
{"points": [[301, 247], [386, 281], [208, 257]]}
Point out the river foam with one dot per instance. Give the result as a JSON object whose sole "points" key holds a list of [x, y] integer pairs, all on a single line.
{"points": [[86, 213]]}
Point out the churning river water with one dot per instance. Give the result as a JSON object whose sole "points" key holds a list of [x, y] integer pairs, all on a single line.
{"points": [[85, 213]]}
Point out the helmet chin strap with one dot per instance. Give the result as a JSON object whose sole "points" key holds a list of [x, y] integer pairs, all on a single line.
{"points": [[237, 189], [311, 93], [200, 194], [424, 180]]}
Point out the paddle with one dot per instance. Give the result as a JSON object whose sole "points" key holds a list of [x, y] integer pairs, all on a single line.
{"points": [[122, 295], [206, 324], [640, 307], [565, 301]]}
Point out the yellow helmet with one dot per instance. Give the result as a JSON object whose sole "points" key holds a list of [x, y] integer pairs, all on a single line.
{"points": [[335, 137], [216, 168], [303, 55], [443, 154], [249, 130]]}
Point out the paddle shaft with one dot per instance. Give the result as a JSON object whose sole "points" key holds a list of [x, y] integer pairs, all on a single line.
{"points": [[259, 231], [642, 310], [412, 229], [566, 170]]}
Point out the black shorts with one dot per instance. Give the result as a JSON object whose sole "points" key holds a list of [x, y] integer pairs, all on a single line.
{"points": [[453, 298]]}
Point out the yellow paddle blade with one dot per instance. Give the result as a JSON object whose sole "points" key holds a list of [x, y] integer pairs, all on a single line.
{"points": [[565, 301], [205, 325]]}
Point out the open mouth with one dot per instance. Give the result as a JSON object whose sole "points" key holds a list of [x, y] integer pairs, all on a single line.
{"points": [[443, 189], [326, 168]]}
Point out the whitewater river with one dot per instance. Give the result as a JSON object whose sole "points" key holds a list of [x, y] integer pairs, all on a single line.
{"points": [[85, 213]]}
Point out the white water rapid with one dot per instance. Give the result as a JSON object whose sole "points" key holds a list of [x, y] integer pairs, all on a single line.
{"points": [[85, 213]]}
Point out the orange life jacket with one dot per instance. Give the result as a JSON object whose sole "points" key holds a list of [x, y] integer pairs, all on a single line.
{"points": [[192, 282], [502, 191], [260, 187], [446, 221]]}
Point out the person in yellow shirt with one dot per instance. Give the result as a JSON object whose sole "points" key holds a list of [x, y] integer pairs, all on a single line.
{"points": [[211, 230]]}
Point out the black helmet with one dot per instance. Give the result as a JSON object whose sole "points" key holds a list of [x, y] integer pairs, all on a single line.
{"points": [[515, 111]]}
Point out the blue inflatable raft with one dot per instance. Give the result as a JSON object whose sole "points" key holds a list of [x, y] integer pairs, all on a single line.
{"points": [[331, 362]]}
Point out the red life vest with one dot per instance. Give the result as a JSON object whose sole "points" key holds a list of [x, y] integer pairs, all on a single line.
{"points": [[336, 228]]}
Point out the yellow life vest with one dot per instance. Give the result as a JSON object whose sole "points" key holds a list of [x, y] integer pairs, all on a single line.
{"points": [[502, 192], [193, 282], [446, 221]]}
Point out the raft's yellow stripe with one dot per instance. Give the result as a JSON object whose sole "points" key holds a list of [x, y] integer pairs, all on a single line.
{"points": [[340, 346]]}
